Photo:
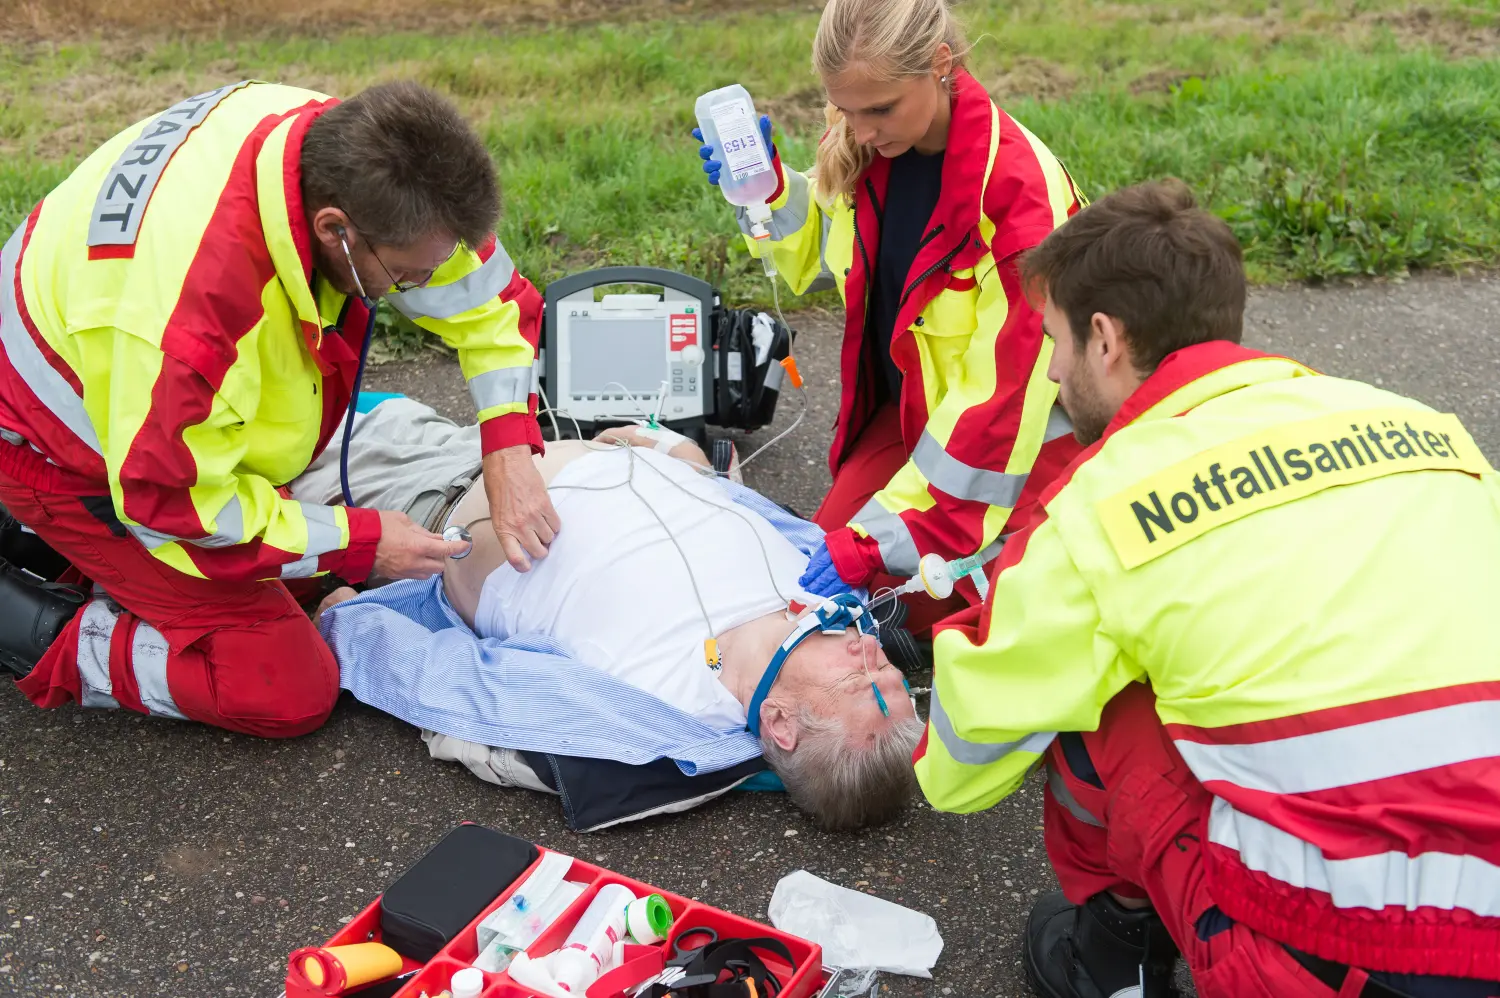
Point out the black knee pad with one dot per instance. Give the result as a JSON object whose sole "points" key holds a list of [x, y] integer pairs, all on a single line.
{"points": [[33, 613]]}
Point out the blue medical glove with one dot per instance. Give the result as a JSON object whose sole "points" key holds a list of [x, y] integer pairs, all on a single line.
{"points": [[821, 578], [713, 167]]}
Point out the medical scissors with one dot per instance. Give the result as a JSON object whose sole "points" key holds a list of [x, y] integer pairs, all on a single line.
{"points": [[685, 948]]}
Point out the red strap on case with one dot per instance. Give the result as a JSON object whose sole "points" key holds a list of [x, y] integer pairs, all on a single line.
{"points": [[641, 964]]}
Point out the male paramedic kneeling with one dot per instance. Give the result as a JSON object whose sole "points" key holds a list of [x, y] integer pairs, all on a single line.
{"points": [[182, 323], [1253, 640]]}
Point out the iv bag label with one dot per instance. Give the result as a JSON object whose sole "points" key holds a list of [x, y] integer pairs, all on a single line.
{"points": [[740, 138]]}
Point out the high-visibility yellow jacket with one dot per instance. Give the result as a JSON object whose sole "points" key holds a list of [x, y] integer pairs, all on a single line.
{"points": [[976, 406], [1305, 569], [167, 343]]}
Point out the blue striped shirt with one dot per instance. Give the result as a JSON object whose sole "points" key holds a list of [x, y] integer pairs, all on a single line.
{"points": [[404, 650]]}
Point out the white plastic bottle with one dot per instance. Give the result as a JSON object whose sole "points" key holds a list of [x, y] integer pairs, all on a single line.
{"points": [[590, 947], [467, 983], [729, 124]]}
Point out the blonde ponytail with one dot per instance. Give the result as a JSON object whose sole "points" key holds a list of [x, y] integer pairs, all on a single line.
{"points": [[888, 39]]}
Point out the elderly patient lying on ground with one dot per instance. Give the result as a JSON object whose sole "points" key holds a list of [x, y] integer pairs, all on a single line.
{"points": [[605, 639]]}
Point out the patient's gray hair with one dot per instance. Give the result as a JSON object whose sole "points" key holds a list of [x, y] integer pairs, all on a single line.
{"points": [[840, 786]]}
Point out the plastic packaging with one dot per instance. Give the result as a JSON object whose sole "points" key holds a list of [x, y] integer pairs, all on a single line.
{"points": [[467, 983], [856, 930], [730, 125], [510, 919], [501, 949], [847, 983]]}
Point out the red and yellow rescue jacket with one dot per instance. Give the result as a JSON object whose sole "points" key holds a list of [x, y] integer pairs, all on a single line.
{"points": [[1305, 569], [165, 342], [976, 406]]}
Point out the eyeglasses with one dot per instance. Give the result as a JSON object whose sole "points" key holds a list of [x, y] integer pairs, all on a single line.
{"points": [[400, 287]]}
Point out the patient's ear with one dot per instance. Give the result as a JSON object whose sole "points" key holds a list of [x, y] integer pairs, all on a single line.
{"points": [[779, 723]]}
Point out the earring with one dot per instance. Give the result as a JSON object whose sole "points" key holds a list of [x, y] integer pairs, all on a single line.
{"points": [[942, 79]]}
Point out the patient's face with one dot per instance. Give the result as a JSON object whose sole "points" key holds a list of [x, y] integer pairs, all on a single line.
{"points": [[828, 673]]}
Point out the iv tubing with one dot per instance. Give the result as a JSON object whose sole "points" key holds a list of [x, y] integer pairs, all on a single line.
{"points": [[802, 391]]}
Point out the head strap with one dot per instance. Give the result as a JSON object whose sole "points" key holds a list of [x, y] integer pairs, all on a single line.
{"points": [[832, 616]]}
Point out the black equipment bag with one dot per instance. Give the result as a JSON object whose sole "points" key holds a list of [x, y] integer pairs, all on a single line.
{"points": [[448, 888]]}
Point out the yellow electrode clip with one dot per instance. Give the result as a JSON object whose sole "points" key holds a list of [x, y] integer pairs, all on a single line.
{"points": [[711, 654]]}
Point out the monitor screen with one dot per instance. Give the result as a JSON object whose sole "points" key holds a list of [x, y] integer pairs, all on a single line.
{"points": [[608, 353]]}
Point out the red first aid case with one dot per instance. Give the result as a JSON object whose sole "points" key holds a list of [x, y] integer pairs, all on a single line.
{"points": [[802, 979]]}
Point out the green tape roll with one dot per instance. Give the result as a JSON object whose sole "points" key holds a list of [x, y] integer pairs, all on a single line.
{"points": [[648, 919]]}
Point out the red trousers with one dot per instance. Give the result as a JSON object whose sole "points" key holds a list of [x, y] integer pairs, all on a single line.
{"points": [[241, 656], [872, 462], [1139, 836]]}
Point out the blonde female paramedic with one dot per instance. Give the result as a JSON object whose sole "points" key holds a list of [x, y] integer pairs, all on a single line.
{"points": [[923, 195]]}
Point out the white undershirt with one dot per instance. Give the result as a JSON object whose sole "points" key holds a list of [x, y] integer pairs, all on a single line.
{"points": [[614, 588]]}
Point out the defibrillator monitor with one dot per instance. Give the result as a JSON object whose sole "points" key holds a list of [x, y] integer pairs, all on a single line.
{"points": [[621, 344], [610, 358]]}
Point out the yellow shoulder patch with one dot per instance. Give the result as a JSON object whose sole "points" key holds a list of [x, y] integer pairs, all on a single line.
{"points": [[1278, 465]]}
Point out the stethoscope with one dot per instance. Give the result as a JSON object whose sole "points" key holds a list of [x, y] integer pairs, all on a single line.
{"points": [[359, 372], [359, 375]]}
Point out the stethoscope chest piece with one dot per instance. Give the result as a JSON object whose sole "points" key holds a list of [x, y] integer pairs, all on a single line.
{"points": [[458, 532]]}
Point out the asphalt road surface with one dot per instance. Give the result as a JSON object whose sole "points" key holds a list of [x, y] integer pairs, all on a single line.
{"points": [[142, 857]]}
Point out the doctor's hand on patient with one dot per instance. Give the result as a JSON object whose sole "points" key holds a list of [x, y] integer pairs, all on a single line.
{"points": [[408, 551], [520, 508]]}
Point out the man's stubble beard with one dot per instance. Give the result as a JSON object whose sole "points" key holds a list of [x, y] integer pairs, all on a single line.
{"points": [[1085, 406]]}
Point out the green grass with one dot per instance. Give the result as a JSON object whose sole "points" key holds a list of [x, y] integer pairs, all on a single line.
{"points": [[1336, 138]]}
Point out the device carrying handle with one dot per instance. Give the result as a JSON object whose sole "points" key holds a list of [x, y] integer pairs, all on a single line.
{"points": [[564, 286]]}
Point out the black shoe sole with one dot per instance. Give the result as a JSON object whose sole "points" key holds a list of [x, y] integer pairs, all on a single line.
{"points": [[1034, 979], [1034, 924]]}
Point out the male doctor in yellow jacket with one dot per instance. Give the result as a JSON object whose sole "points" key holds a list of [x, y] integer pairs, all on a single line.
{"points": [[183, 323]]}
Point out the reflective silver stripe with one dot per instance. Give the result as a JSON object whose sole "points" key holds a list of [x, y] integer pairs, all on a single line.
{"points": [[792, 216], [45, 383], [981, 753], [789, 219], [1064, 796], [1058, 424], [444, 301], [994, 488], [1427, 880], [506, 386], [825, 280], [775, 375], [1355, 753], [96, 629], [897, 549], [148, 657], [128, 184], [229, 530], [323, 533], [303, 569], [152, 539]]}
